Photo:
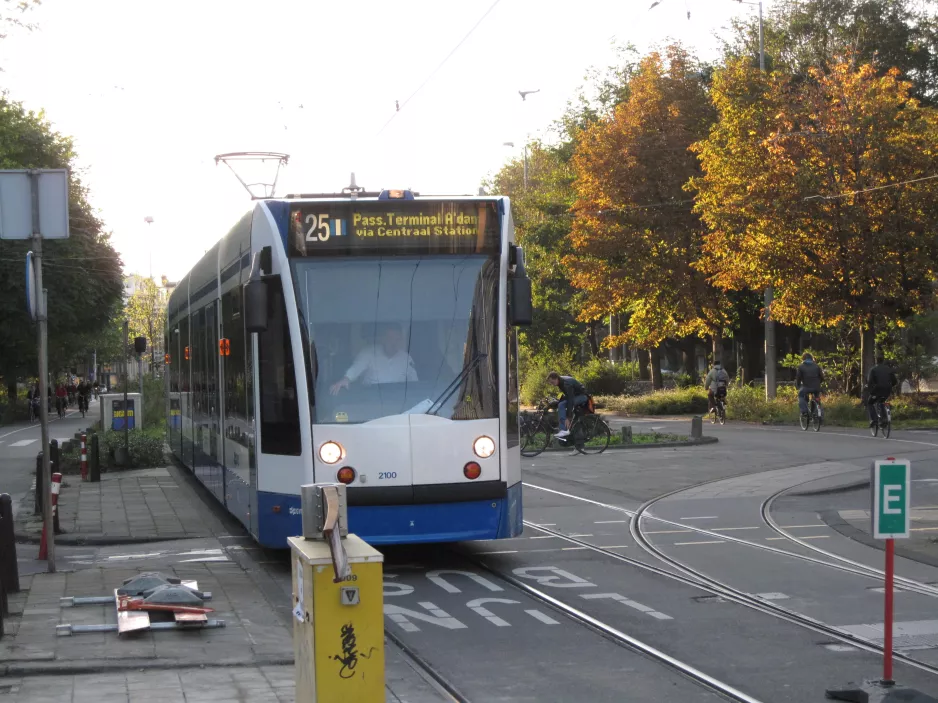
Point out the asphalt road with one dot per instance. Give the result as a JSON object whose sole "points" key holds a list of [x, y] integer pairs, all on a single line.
{"points": [[470, 611]]}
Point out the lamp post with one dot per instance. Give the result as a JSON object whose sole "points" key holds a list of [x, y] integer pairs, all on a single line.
{"points": [[512, 145]]}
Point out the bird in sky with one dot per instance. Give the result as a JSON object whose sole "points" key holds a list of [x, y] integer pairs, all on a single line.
{"points": [[525, 93], [397, 106]]}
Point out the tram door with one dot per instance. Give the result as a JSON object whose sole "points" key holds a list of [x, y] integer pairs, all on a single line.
{"points": [[214, 478]]}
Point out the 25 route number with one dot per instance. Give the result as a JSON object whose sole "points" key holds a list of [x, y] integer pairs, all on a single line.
{"points": [[320, 228]]}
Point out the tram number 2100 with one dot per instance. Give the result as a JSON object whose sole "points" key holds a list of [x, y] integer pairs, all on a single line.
{"points": [[322, 228]]}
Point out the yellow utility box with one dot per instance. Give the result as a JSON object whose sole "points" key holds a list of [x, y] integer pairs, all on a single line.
{"points": [[338, 628]]}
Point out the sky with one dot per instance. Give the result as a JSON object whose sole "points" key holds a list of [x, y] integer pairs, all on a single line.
{"points": [[152, 91]]}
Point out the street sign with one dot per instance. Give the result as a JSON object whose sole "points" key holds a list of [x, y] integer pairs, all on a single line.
{"points": [[890, 488], [32, 293], [16, 204]]}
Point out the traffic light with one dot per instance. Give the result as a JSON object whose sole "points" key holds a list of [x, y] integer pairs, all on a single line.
{"points": [[187, 354], [224, 347], [166, 359], [140, 344]]}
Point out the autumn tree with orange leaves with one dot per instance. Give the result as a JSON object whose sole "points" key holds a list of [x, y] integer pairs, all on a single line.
{"points": [[635, 235], [824, 188]]}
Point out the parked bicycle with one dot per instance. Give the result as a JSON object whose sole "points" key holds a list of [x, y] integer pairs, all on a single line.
{"points": [[883, 419], [812, 418], [589, 433]]}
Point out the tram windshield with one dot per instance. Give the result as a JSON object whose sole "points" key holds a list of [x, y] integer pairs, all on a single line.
{"points": [[394, 335]]}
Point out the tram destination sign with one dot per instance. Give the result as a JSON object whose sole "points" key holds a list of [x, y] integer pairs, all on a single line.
{"points": [[386, 227]]}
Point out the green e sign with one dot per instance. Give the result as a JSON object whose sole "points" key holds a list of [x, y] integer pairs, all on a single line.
{"points": [[890, 488]]}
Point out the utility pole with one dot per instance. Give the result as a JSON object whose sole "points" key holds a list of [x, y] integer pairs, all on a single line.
{"points": [[126, 383], [41, 333]]}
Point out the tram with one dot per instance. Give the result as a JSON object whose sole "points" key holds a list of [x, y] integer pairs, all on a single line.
{"points": [[361, 338]]}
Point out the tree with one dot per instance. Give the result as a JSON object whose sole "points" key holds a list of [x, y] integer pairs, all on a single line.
{"points": [[635, 237], [81, 274], [146, 313], [810, 34], [816, 187]]}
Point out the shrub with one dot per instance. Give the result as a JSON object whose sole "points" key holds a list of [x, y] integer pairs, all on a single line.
{"points": [[146, 447], [671, 402], [602, 377]]}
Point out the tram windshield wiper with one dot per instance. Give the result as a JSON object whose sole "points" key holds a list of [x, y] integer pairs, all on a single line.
{"points": [[454, 386]]}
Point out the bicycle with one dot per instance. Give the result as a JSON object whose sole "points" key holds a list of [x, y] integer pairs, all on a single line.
{"points": [[83, 404], [589, 433], [718, 413], [812, 418], [34, 411], [883, 419]]}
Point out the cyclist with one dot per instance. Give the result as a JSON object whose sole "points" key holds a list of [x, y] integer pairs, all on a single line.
{"points": [[716, 383], [879, 386], [574, 395], [84, 395], [808, 380], [61, 398]]}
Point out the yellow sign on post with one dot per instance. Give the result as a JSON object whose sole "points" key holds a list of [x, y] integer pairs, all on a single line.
{"points": [[338, 628]]}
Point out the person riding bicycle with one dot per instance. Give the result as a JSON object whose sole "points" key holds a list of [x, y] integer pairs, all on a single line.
{"points": [[879, 385], [84, 395], [574, 395], [808, 380], [716, 384], [61, 397]]}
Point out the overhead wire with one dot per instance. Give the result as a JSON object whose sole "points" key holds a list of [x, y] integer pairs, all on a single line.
{"points": [[436, 70]]}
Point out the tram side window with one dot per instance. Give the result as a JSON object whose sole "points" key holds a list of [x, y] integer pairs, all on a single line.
{"points": [[279, 411]]}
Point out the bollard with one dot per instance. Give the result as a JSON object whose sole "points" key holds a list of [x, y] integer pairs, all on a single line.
{"points": [[43, 543], [9, 568], [627, 434], [94, 466], [53, 455], [37, 506], [84, 457], [696, 427]]}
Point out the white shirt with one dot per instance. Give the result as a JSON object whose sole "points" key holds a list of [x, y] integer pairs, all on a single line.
{"points": [[376, 367]]}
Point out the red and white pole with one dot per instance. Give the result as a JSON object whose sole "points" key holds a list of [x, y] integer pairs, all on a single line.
{"points": [[56, 486], [84, 458], [887, 620]]}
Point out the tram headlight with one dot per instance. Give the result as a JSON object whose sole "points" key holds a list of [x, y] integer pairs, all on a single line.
{"points": [[484, 447], [472, 470], [331, 452]]}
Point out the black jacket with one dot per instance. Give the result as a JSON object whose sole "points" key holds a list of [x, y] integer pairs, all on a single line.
{"points": [[882, 380], [810, 376], [570, 388]]}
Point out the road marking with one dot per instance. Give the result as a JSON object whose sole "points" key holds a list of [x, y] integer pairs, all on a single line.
{"points": [[504, 551], [608, 522], [925, 480], [616, 546], [543, 537], [816, 537], [792, 527], [571, 549], [701, 517], [403, 616], [728, 529], [767, 539], [579, 535], [23, 443], [203, 559], [538, 615], [715, 541], [628, 602], [665, 532], [923, 529]]}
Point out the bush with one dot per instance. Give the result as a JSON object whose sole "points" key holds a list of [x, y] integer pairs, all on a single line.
{"points": [[602, 377], [673, 402], [146, 447]]}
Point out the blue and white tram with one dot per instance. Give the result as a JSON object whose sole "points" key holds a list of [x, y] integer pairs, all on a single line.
{"points": [[384, 357]]}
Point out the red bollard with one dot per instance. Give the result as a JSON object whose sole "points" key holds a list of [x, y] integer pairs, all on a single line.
{"points": [[84, 457], [56, 485]]}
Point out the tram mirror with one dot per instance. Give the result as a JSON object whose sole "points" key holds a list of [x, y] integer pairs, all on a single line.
{"points": [[255, 306], [521, 306]]}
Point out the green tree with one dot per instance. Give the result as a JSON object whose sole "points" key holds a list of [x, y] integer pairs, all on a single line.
{"points": [[146, 313], [82, 274]]}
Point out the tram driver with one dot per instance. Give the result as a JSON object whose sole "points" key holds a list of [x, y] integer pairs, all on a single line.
{"points": [[387, 362]]}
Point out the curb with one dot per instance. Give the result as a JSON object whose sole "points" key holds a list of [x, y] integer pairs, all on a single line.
{"points": [[845, 488], [833, 520], [650, 445], [107, 540], [103, 666]]}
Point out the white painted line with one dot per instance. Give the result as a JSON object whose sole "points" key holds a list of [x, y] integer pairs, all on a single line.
{"points": [[608, 522], [793, 527], [701, 517], [542, 537], [816, 537], [572, 549], [23, 443], [925, 480], [579, 535], [504, 551], [547, 524], [538, 615], [616, 546], [923, 529], [774, 538], [665, 532], [125, 557], [715, 541], [834, 647], [729, 529], [627, 602], [202, 559]]}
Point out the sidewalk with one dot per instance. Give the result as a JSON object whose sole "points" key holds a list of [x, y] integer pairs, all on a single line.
{"points": [[250, 659]]}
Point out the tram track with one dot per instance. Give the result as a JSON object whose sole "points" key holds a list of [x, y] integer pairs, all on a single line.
{"points": [[907, 584], [694, 577]]}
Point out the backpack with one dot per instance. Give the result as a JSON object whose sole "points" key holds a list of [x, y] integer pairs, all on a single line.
{"points": [[723, 379]]}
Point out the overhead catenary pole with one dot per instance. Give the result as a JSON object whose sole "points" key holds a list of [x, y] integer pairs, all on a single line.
{"points": [[42, 330], [126, 383]]}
